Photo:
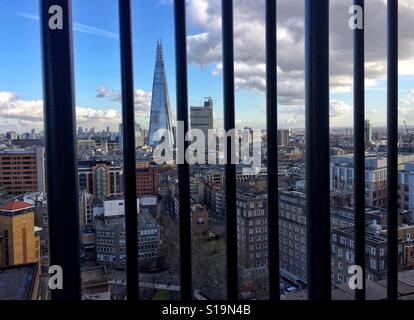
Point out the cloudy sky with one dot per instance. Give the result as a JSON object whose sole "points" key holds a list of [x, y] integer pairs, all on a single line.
{"points": [[97, 72]]}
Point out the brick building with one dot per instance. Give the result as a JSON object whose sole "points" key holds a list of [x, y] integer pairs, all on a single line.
{"points": [[22, 170]]}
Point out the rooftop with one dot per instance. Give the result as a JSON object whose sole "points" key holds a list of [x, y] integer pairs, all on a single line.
{"points": [[15, 205], [374, 290], [16, 282]]}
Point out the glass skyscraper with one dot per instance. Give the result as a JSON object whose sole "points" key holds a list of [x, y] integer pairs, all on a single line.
{"points": [[160, 105]]}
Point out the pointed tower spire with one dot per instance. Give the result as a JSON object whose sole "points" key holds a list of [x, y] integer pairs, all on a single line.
{"points": [[160, 105]]}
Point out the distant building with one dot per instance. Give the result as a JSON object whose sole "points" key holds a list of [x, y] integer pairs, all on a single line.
{"points": [[22, 170], [282, 137], [368, 132], [19, 237], [214, 198], [12, 135], [292, 233], [197, 189], [202, 118]]}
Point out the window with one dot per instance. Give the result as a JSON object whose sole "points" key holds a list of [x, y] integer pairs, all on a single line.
{"points": [[373, 264]]}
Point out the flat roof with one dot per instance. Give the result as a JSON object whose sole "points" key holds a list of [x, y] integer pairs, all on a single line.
{"points": [[16, 282]]}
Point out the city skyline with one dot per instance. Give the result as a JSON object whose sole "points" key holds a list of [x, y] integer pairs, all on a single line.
{"points": [[97, 75]]}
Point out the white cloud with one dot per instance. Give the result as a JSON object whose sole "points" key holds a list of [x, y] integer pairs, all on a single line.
{"points": [[204, 46], [23, 115], [142, 100]]}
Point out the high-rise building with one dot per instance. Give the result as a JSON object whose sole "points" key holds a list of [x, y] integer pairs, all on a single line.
{"points": [[160, 106], [202, 117], [121, 138], [293, 241], [22, 170], [282, 137], [12, 135], [19, 237], [252, 235], [368, 132], [139, 136]]}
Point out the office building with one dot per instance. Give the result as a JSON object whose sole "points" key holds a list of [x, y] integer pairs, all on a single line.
{"points": [[110, 239], [202, 117], [252, 235], [147, 179], [368, 133], [22, 170], [282, 137], [160, 117]]}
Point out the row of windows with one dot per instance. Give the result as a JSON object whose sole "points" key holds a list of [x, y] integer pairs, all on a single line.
{"points": [[252, 205], [252, 239]]}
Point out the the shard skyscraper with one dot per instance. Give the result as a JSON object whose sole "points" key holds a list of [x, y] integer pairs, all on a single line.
{"points": [[160, 105]]}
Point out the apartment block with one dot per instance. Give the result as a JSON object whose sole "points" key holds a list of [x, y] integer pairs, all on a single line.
{"points": [[292, 234], [252, 235], [342, 176], [343, 251]]}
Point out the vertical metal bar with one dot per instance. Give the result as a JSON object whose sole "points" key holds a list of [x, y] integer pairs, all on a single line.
{"points": [[392, 150], [59, 116], [317, 148], [183, 168], [272, 154], [128, 120], [230, 168], [359, 147]]}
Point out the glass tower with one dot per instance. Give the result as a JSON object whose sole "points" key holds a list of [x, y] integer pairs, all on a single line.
{"points": [[160, 105]]}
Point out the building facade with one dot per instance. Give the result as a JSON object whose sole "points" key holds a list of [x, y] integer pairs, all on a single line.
{"points": [[292, 234], [22, 170], [202, 118], [110, 239], [342, 176], [148, 181], [252, 235], [19, 237], [102, 179], [160, 117]]}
